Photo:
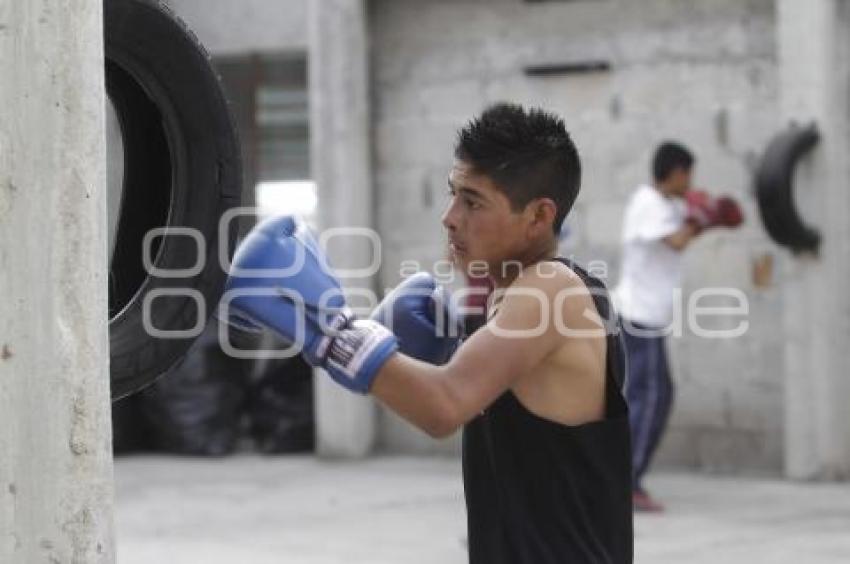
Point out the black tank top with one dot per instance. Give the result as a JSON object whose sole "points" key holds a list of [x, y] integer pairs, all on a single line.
{"points": [[539, 492]]}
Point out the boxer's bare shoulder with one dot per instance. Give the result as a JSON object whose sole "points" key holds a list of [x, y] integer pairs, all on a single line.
{"points": [[552, 303]]}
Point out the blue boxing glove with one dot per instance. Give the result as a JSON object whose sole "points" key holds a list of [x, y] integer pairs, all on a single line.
{"points": [[411, 312], [280, 279]]}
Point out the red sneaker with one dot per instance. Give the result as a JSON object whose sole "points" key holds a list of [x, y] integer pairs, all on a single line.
{"points": [[642, 501]]}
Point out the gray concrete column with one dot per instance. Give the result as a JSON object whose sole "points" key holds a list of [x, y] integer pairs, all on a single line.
{"points": [[814, 65], [55, 434], [340, 161]]}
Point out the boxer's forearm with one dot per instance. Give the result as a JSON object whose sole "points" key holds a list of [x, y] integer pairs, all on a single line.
{"points": [[439, 399], [418, 392], [682, 238]]}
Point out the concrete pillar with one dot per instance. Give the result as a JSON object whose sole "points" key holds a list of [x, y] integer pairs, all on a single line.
{"points": [[340, 161], [814, 65], [55, 438]]}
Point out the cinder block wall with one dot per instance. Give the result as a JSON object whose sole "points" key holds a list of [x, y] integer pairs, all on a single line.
{"points": [[700, 71], [247, 26]]}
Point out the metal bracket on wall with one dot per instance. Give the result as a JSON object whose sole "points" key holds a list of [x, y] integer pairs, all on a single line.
{"points": [[577, 67]]}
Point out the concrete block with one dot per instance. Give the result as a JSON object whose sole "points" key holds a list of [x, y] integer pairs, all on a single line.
{"points": [[411, 142], [248, 26], [677, 450], [700, 405], [738, 452], [603, 225], [754, 409]]}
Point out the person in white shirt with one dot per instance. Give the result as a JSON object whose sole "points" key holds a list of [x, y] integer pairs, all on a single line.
{"points": [[655, 231], [661, 219]]}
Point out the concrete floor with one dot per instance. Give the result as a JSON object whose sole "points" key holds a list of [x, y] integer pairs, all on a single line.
{"points": [[300, 510]]}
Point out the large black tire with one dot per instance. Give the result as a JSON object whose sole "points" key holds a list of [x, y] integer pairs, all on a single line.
{"points": [[774, 184], [182, 168]]}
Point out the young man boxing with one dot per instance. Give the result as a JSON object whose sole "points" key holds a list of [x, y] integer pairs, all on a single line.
{"points": [[662, 218], [546, 454]]}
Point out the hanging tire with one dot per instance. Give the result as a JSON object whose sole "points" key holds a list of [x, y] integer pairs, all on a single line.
{"points": [[774, 185], [181, 169]]}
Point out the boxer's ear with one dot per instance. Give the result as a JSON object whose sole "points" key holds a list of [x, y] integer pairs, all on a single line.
{"points": [[542, 214]]}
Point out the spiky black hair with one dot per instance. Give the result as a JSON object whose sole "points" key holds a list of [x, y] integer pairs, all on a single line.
{"points": [[668, 157], [527, 153]]}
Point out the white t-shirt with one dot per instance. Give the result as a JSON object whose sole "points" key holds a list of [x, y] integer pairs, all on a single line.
{"points": [[651, 269]]}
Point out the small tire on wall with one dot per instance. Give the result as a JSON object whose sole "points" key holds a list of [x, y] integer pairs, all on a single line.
{"points": [[181, 169]]}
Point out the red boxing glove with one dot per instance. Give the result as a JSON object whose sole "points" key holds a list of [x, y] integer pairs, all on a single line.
{"points": [[705, 211], [729, 212], [702, 210]]}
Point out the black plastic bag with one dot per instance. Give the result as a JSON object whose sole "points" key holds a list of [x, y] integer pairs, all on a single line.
{"points": [[196, 408], [280, 405], [131, 431]]}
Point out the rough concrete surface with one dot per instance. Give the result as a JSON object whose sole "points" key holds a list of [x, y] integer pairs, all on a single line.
{"points": [[55, 441], [402, 510]]}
